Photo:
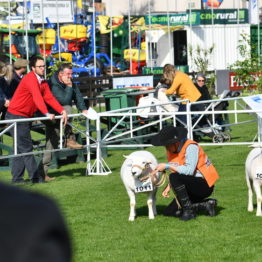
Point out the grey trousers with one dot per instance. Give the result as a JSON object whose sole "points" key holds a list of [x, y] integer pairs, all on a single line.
{"points": [[52, 139], [24, 145]]}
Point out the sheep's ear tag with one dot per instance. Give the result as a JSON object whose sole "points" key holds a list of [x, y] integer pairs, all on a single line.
{"points": [[129, 163]]}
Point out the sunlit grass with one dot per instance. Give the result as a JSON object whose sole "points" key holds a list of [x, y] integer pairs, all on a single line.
{"points": [[96, 209]]}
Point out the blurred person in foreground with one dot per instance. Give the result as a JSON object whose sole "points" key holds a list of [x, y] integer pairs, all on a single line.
{"points": [[192, 175], [32, 94], [32, 228]]}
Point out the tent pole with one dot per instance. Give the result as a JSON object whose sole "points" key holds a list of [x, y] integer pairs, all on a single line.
{"points": [[58, 31], [111, 40], [9, 31], [129, 39], [169, 35], [94, 35]]}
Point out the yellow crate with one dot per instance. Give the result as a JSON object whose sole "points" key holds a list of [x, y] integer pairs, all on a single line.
{"points": [[71, 32], [66, 56], [143, 45], [46, 37], [135, 54]]}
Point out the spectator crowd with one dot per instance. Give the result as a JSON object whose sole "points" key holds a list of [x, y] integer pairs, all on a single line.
{"points": [[25, 95]]}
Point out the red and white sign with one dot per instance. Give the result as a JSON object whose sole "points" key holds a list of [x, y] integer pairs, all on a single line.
{"points": [[235, 86]]}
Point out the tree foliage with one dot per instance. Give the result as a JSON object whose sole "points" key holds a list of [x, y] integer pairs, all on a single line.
{"points": [[247, 68], [200, 58]]}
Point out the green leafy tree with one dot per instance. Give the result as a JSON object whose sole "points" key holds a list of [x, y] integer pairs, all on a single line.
{"points": [[53, 68], [247, 68], [200, 58]]}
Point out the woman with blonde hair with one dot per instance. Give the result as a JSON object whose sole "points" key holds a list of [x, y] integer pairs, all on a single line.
{"points": [[180, 85], [6, 74]]}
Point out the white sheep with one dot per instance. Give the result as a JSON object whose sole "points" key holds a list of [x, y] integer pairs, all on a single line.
{"points": [[254, 177], [135, 175]]}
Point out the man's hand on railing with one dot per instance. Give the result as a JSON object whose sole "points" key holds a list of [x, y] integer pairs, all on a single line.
{"points": [[7, 102], [51, 116], [64, 117]]}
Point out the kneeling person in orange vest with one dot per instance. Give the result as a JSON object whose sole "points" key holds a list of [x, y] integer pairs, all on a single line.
{"points": [[192, 175]]}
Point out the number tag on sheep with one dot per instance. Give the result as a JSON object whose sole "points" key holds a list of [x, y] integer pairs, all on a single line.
{"points": [[259, 176], [143, 186], [135, 174]]}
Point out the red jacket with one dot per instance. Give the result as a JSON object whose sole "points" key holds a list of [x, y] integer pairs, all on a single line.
{"points": [[31, 96]]}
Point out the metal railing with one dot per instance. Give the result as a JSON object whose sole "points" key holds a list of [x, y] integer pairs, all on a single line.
{"points": [[134, 128]]}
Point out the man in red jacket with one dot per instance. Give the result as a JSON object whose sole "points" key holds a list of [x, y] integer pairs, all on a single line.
{"points": [[32, 94]]}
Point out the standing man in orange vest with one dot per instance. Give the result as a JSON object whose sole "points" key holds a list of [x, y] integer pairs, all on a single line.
{"points": [[192, 175]]}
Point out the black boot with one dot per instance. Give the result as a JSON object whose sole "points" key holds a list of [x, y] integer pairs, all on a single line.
{"points": [[188, 212], [172, 210], [207, 205]]}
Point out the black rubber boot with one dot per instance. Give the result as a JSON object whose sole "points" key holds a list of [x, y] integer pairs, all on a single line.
{"points": [[188, 212], [207, 205], [172, 210]]}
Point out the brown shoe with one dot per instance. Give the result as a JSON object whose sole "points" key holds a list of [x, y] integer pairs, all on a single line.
{"points": [[71, 143], [48, 178]]}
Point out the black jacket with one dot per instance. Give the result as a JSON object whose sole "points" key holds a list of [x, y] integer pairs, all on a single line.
{"points": [[13, 84], [2, 98], [66, 95], [4, 87], [9, 88], [32, 228], [204, 92]]}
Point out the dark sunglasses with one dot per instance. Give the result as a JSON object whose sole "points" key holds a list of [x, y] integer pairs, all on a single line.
{"points": [[200, 80]]}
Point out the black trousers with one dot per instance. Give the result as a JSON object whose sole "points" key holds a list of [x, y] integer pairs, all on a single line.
{"points": [[24, 145], [196, 187]]}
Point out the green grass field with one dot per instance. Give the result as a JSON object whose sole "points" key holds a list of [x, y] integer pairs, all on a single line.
{"points": [[96, 209]]}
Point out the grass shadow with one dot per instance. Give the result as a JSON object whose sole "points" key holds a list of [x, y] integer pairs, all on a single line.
{"points": [[69, 173], [143, 211]]}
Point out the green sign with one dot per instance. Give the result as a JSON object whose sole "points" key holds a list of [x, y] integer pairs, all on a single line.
{"points": [[223, 16], [203, 17], [174, 19], [154, 70], [159, 70]]}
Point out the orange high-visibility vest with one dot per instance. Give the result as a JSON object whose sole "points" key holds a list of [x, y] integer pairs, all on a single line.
{"points": [[204, 166]]}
